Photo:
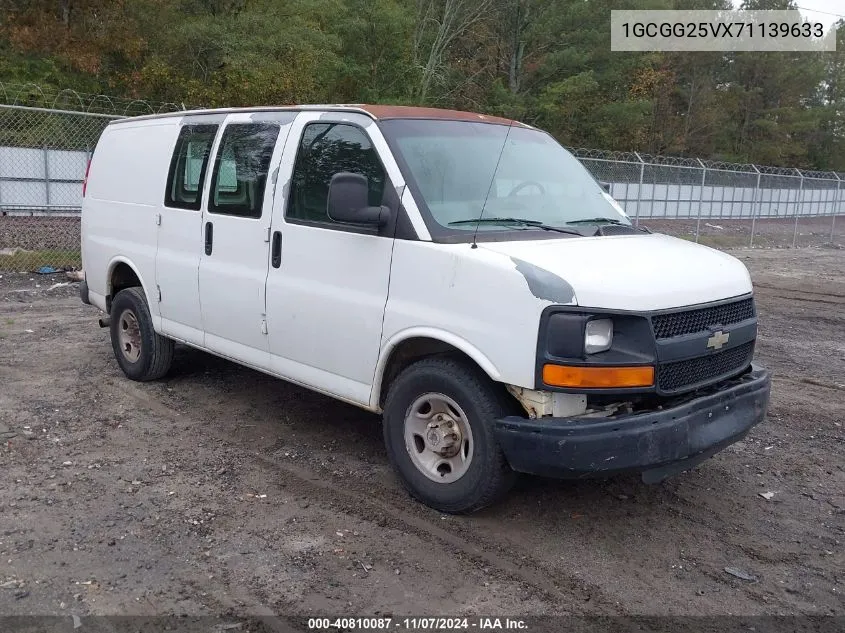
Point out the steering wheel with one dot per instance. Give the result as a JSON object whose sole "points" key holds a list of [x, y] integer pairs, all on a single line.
{"points": [[527, 183]]}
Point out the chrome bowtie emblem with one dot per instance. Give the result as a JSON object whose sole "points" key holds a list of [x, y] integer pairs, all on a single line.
{"points": [[718, 339]]}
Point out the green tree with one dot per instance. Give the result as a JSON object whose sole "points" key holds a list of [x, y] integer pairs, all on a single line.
{"points": [[547, 62]]}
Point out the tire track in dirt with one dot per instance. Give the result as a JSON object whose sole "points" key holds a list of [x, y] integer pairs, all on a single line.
{"points": [[773, 291], [812, 381], [353, 496], [239, 594], [361, 503], [787, 288], [228, 599], [796, 298]]}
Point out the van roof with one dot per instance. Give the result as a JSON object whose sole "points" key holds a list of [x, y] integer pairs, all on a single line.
{"points": [[412, 112], [377, 112]]}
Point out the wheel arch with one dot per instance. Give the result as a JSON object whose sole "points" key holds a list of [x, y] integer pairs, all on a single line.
{"points": [[122, 273], [413, 344]]}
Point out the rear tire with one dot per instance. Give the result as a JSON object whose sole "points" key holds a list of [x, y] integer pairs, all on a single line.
{"points": [[439, 435], [141, 353]]}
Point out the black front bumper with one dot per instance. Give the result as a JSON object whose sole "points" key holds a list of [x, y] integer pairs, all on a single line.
{"points": [[657, 443]]}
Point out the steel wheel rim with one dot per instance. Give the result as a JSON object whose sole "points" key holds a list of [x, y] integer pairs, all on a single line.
{"points": [[129, 336], [438, 438]]}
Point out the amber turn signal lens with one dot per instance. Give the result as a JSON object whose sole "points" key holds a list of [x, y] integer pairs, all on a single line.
{"points": [[597, 377]]}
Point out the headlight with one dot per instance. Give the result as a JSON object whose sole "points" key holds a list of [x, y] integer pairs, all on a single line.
{"points": [[598, 335]]}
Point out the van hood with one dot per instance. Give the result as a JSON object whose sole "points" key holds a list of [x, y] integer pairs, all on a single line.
{"points": [[627, 272]]}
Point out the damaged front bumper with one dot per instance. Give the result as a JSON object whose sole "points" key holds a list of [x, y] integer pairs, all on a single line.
{"points": [[658, 443]]}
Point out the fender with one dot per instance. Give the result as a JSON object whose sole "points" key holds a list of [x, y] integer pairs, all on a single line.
{"points": [[437, 334], [153, 306]]}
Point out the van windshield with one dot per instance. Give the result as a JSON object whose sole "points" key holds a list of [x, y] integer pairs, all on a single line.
{"points": [[464, 171]]}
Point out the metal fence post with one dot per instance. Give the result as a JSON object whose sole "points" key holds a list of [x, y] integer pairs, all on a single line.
{"points": [[757, 194], [798, 202], [639, 189], [678, 197], [700, 199], [836, 201], [46, 176]]}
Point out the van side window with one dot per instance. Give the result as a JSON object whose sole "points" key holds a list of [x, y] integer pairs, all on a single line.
{"points": [[240, 169], [188, 165], [325, 150]]}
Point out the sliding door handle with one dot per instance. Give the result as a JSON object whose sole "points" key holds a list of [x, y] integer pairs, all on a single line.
{"points": [[209, 237], [276, 250]]}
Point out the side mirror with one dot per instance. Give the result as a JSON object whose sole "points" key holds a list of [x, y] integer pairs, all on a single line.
{"points": [[348, 201]]}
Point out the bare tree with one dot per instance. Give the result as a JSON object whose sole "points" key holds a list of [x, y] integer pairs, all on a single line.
{"points": [[438, 24], [516, 17], [66, 9]]}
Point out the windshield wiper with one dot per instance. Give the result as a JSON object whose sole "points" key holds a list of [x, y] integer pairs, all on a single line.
{"points": [[598, 221], [534, 224], [611, 221]]}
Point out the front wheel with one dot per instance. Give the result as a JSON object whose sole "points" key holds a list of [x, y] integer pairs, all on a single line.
{"points": [[439, 437], [141, 353]]}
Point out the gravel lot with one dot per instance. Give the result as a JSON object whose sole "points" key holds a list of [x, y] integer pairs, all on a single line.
{"points": [[221, 490], [37, 233]]}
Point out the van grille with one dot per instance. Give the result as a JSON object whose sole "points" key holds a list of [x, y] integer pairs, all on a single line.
{"points": [[699, 320], [693, 372]]}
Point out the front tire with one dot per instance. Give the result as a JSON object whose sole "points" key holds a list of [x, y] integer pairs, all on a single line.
{"points": [[141, 353], [439, 436]]}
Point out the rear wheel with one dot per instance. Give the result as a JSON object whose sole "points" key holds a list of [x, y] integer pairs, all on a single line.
{"points": [[439, 436], [141, 353]]}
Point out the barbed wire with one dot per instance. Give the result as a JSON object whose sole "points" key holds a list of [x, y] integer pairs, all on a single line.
{"points": [[654, 160], [34, 95], [599, 154], [720, 165], [779, 171], [818, 175]]}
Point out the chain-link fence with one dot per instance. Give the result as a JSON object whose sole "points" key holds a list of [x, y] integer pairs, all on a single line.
{"points": [[44, 153], [43, 156], [724, 204]]}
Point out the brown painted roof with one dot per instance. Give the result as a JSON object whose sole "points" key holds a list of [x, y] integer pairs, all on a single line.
{"points": [[376, 111], [411, 112]]}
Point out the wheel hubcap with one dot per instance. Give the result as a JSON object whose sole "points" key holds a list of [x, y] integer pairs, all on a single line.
{"points": [[438, 438], [129, 336]]}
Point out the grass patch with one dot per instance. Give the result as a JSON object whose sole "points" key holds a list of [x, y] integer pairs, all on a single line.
{"points": [[33, 260]]}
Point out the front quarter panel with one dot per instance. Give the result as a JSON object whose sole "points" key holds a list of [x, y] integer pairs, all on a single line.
{"points": [[472, 298]]}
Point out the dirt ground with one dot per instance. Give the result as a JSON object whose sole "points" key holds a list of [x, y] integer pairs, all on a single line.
{"points": [[768, 232], [223, 491]]}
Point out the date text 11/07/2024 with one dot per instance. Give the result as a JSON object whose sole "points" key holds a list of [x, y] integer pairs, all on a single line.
{"points": [[417, 624]]}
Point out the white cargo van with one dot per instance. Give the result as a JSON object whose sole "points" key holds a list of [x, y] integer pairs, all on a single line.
{"points": [[462, 274]]}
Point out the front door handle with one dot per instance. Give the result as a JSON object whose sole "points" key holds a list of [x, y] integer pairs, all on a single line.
{"points": [[209, 237], [276, 257]]}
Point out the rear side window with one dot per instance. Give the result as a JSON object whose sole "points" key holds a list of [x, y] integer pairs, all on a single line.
{"points": [[240, 169], [325, 150], [188, 166]]}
